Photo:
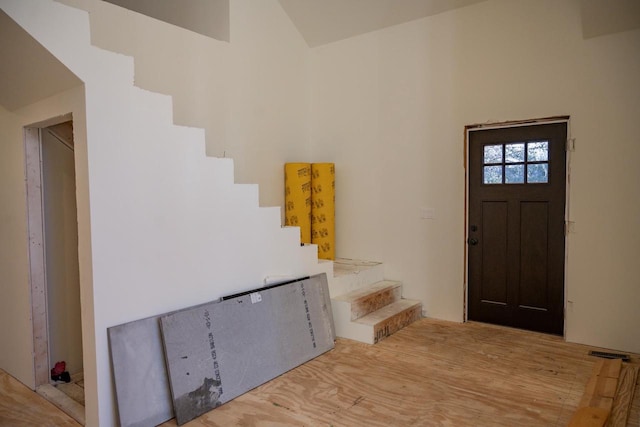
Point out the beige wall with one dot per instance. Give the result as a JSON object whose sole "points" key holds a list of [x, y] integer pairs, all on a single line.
{"points": [[16, 356], [15, 304], [61, 242], [390, 107], [250, 95]]}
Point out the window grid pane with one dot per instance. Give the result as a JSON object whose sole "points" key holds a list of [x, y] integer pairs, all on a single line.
{"points": [[516, 163], [492, 174], [538, 173], [492, 154], [538, 151], [514, 153], [514, 174]]}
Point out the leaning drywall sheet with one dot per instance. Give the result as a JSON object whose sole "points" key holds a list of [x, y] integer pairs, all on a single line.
{"points": [[139, 371], [217, 352]]}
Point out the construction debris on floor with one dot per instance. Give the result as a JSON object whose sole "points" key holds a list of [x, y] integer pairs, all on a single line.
{"points": [[217, 351], [59, 372]]}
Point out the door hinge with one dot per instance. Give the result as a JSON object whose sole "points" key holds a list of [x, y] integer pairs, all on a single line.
{"points": [[570, 144]]}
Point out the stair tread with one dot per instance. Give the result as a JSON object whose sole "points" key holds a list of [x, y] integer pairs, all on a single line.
{"points": [[368, 290], [345, 266], [388, 311]]}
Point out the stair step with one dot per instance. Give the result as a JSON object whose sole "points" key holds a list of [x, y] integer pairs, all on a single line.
{"points": [[392, 318], [371, 298], [351, 274], [344, 266]]}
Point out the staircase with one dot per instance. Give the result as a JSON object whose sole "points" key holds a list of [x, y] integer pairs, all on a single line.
{"points": [[144, 175], [366, 307], [166, 225]]}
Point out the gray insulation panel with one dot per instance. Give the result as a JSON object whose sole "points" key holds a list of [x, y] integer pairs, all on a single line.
{"points": [[140, 373], [142, 385], [216, 352]]}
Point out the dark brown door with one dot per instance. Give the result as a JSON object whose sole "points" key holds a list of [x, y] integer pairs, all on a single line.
{"points": [[517, 184]]}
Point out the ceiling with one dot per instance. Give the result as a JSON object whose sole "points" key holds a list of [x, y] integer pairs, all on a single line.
{"points": [[326, 21], [602, 17], [29, 72], [207, 17]]}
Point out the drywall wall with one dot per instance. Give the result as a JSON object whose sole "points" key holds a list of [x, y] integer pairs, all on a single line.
{"points": [[250, 95], [16, 353], [389, 107], [268, 93], [15, 304], [61, 242], [168, 228]]}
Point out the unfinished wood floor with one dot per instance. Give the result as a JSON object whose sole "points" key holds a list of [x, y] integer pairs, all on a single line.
{"points": [[431, 373], [22, 407]]}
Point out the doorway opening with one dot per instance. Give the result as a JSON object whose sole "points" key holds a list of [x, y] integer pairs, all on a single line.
{"points": [[53, 263], [516, 224]]}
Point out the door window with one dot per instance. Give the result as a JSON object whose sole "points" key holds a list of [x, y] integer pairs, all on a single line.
{"points": [[516, 163]]}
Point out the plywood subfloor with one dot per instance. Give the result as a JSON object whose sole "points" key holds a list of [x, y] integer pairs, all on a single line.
{"points": [[75, 388], [431, 373], [20, 406]]}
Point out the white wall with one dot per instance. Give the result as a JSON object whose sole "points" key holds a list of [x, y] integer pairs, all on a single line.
{"points": [[268, 97], [161, 225], [389, 107], [249, 95], [61, 242]]}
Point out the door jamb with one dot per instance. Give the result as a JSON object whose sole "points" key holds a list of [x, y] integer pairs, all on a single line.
{"points": [[36, 245], [504, 125]]}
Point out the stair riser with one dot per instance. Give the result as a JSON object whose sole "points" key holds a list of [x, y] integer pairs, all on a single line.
{"points": [[375, 301], [346, 328], [343, 284], [396, 322]]}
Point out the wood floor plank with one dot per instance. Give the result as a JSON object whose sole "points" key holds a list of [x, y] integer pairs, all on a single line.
{"points": [[430, 373], [20, 406], [634, 413], [624, 396], [589, 417], [607, 368]]}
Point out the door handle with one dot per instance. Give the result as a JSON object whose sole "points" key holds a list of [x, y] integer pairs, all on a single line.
{"points": [[472, 241]]}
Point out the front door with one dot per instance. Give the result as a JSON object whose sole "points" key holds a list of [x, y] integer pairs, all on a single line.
{"points": [[516, 236]]}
